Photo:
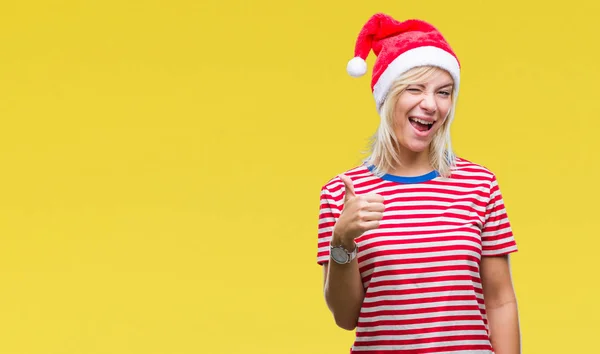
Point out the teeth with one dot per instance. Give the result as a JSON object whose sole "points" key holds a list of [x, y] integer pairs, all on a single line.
{"points": [[422, 121]]}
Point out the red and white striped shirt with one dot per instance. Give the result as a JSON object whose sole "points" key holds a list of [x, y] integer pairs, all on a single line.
{"points": [[420, 268]]}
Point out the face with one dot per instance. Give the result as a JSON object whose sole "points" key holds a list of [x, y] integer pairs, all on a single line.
{"points": [[421, 110]]}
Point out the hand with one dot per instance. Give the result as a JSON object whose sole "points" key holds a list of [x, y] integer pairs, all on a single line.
{"points": [[360, 214]]}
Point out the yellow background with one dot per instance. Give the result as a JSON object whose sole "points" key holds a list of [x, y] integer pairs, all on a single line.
{"points": [[161, 164]]}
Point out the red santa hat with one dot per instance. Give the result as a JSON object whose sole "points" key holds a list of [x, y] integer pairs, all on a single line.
{"points": [[399, 47]]}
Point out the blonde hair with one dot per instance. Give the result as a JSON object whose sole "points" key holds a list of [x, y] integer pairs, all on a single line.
{"points": [[384, 145]]}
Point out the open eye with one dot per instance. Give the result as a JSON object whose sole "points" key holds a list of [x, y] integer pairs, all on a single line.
{"points": [[445, 93]]}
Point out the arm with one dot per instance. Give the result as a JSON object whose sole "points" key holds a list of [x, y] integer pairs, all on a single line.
{"points": [[343, 287], [500, 305], [344, 292]]}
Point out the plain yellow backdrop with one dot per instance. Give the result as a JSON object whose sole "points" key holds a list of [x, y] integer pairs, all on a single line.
{"points": [[161, 163]]}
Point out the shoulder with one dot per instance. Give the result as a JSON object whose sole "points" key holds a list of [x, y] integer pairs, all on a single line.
{"points": [[469, 169], [334, 185]]}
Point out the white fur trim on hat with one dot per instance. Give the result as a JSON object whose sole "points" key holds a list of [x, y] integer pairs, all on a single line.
{"points": [[415, 57]]}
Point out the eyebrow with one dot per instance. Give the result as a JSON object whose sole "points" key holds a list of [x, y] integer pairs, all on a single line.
{"points": [[441, 87]]}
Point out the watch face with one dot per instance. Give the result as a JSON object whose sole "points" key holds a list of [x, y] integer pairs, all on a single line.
{"points": [[339, 255]]}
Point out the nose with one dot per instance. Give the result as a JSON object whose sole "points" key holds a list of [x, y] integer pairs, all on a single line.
{"points": [[428, 103]]}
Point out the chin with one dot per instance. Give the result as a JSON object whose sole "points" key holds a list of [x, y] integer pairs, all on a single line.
{"points": [[418, 146]]}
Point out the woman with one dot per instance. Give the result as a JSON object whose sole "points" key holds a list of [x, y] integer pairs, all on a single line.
{"points": [[414, 242]]}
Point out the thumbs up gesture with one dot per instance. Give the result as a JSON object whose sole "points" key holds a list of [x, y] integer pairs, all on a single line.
{"points": [[360, 213]]}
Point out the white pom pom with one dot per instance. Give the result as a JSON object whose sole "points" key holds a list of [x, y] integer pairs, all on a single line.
{"points": [[357, 67]]}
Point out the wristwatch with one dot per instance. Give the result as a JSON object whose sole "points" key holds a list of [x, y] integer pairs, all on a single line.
{"points": [[341, 255]]}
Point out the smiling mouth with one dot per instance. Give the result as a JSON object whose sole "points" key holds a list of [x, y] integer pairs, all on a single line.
{"points": [[420, 125]]}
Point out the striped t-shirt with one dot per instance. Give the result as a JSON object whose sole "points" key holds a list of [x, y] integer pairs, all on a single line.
{"points": [[420, 268]]}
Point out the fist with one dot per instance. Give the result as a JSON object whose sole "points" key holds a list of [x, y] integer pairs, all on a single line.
{"points": [[360, 213]]}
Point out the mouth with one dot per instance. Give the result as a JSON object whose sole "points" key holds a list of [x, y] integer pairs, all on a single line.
{"points": [[422, 126]]}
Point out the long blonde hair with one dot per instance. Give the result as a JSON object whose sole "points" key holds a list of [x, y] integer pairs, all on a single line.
{"points": [[384, 146]]}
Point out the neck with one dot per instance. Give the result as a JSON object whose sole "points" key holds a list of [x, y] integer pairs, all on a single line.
{"points": [[412, 163]]}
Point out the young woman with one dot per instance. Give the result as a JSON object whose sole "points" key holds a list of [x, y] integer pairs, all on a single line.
{"points": [[414, 242]]}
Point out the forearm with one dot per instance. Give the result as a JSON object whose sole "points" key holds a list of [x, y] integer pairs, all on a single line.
{"points": [[504, 328], [344, 293]]}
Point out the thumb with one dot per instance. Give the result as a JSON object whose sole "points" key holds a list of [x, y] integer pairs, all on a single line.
{"points": [[349, 186]]}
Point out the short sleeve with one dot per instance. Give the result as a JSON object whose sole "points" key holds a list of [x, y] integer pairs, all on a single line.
{"points": [[497, 236], [328, 216]]}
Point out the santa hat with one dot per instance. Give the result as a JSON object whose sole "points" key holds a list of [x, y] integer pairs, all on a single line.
{"points": [[399, 47]]}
